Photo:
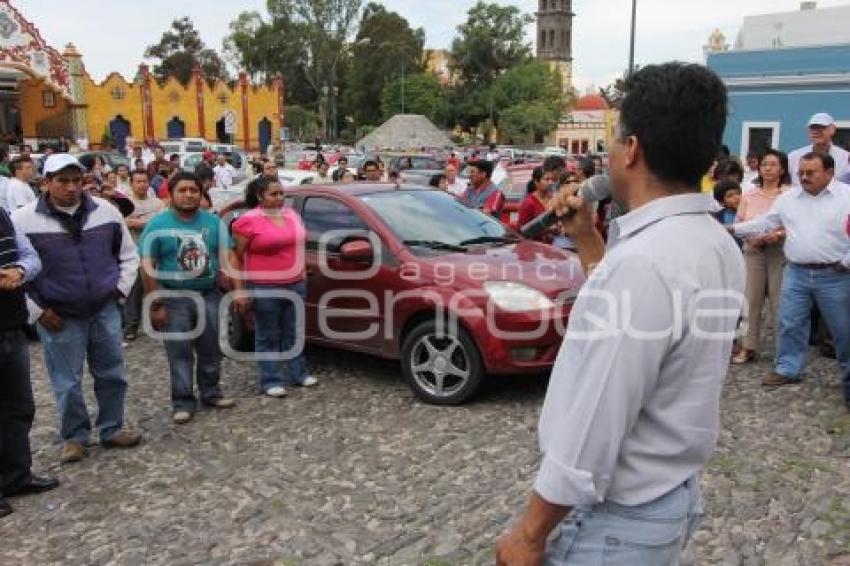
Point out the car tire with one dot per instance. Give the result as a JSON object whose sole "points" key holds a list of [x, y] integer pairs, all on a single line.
{"points": [[441, 370], [239, 334]]}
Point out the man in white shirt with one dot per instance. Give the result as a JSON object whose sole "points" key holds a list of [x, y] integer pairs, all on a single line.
{"points": [[456, 186], [492, 155], [751, 172], [322, 177], [224, 172], [631, 415], [817, 247], [18, 190], [821, 131]]}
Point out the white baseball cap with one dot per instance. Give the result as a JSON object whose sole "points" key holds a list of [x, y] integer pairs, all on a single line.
{"points": [[821, 119], [58, 161]]}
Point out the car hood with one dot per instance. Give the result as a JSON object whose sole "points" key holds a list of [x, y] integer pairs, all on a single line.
{"points": [[540, 266]]}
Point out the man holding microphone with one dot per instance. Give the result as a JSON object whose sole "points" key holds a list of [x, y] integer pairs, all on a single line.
{"points": [[631, 415]]}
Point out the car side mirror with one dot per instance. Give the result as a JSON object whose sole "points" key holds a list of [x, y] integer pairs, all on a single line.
{"points": [[359, 251]]}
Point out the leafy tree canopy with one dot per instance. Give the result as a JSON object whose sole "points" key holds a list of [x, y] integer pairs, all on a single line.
{"points": [[180, 50]]}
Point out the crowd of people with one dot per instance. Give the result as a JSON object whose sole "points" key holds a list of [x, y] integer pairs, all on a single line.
{"points": [[94, 254]]}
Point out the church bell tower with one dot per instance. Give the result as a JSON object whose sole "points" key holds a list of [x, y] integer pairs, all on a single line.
{"points": [[555, 37]]}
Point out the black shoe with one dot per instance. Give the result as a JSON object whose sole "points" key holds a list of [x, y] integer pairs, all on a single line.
{"points": [[827, 351], [5, 508], [36, 484]]}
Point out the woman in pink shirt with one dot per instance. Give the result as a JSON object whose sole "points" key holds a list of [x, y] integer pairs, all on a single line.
{"points": [[763, 255], [270, 242]]}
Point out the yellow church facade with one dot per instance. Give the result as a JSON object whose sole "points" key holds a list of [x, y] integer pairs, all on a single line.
{"points": [[47, 97]]}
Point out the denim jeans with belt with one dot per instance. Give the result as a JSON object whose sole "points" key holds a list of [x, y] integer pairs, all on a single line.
{"points": [[183, 317], [829, 288], [275, 332], [96, 339], [17, 410], [650, 534]]}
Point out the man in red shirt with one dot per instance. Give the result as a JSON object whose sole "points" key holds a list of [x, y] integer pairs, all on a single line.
{"points": [[482, 193]]}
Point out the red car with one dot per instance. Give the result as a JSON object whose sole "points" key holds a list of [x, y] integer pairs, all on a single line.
{"points": [[412, 274]]}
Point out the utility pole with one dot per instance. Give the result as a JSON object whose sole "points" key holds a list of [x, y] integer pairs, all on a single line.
{"points": [[632, 42], [402, 84]]}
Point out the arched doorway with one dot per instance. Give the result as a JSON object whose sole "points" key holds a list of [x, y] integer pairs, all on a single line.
{"points": [[265, 134], [220, 134], [119, 129], [176, 128]]}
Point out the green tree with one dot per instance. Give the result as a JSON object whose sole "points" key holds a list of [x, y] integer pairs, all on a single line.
{"points": [[491, 41], [529, 81], [303, 40], [322, 26], [528, 123], [181, 49], [384, 44], [423, 94], [616, 91], [266, 48], [302, 123]]}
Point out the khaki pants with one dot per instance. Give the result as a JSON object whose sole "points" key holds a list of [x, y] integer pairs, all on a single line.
{"points": [[764, 274]]}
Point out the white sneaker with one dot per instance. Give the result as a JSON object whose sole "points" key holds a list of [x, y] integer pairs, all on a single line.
{"points": [[309, 381], [276, 392], [182, 417]]}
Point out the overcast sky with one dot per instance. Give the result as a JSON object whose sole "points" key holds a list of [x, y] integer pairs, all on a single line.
{"points": [[113, 34]]}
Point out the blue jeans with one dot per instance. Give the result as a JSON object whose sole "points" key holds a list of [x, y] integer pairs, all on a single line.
{"points": [[275, 332], [651, 534], [182, 353], [830, 290], [98, 340]]}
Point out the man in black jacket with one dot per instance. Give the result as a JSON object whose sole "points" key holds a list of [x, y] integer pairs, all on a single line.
{"points": [[19, 263]]}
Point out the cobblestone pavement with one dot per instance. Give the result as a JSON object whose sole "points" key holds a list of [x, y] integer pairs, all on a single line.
{"points": [[356, 471]]}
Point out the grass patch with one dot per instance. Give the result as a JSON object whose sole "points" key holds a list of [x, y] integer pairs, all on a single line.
{"points": [[723, 464]]}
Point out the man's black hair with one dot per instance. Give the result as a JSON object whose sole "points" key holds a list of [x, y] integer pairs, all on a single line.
{"points": [[588, 167], [825, 159], [484, 166], [434, 181], [371, 163], [204, 172], [16, 163], [183, 176], [554, 163], [727, 168], [677, 111]]}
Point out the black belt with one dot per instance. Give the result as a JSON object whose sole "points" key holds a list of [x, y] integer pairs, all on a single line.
{"points": [[834, 264]]}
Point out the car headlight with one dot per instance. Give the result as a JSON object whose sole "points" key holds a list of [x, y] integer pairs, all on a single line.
{"points": [[516, 297]]}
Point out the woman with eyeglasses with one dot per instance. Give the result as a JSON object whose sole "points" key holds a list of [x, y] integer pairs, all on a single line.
{"points": [[764, 257]]}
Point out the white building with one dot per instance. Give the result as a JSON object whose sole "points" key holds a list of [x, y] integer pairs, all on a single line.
{"points": [[809, 26]]}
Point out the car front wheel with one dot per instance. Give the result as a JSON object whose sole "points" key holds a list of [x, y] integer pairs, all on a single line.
{"points": [[442, 365]]}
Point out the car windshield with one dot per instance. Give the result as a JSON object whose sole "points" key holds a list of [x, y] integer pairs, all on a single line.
{"points": [[193, 160], [433, 219]]}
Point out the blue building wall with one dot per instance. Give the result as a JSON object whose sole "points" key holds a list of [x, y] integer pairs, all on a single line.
{"points": [[785, 86]]}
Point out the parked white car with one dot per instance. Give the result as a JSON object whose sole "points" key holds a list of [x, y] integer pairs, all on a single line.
{"points": [[239, 160], [184, 145], [295, 177]]}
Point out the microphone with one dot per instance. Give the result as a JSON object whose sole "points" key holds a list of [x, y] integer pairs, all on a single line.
{"points": [[594, 189]]}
